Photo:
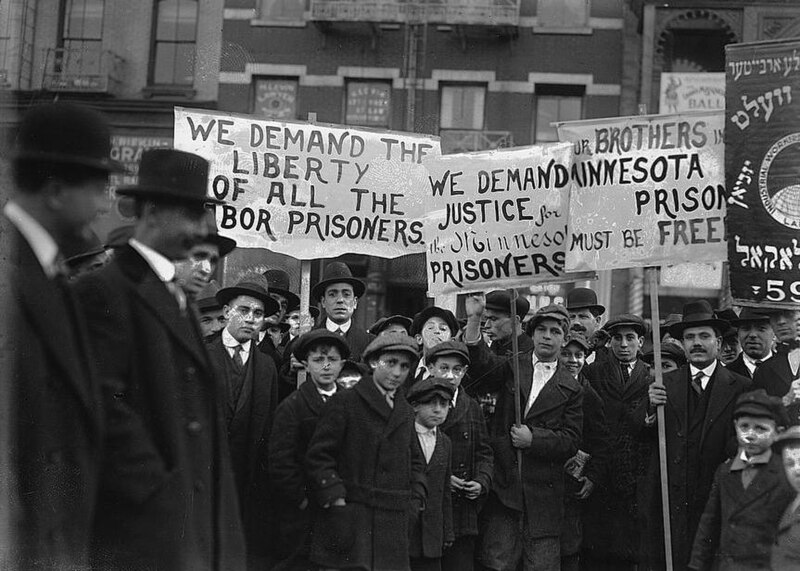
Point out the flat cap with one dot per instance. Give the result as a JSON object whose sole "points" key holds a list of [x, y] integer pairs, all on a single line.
{"points": [[425, 390], [317, 337], [448, 348], [759, 403], [500, 300], [789, 436], [385, 322], [581, 340], [423, 316], [552, 311], [669, 350], [626, 320], [391, 342]]}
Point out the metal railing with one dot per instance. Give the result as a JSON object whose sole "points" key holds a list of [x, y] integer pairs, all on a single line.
{"points": [[463, 141], [85, 70], [452, 12]]}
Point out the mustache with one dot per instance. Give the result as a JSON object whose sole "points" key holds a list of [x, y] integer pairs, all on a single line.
{"points": [[578, 327]]}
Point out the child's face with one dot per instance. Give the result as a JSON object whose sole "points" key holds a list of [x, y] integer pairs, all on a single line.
{"points": [[548, 339], [432, 413], [755, 433], [573, 358], [791, 463], [450, 368], [323, 365], [390, 369]]}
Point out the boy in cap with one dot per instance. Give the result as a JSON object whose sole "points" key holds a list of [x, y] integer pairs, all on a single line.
{"points": [[365, 467], [323, 354], [621, 380], [672, 357], [749, 494], [432, 532], [431, 326], [472, 456], [391, 324], [786, 548], [551, 402]]}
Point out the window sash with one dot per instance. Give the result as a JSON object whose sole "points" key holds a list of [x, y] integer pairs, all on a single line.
{"points": [[462, 107]]}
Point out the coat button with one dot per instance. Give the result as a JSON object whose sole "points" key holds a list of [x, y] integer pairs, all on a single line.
{"points": [[466, 436], [194, 427]]}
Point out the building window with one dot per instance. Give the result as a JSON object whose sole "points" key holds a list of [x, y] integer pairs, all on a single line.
{"points": [[282, 10], [555, 104], [368, 103], [563, 13], [462, 107], [174, 42], [81, 40], [275, 98]]}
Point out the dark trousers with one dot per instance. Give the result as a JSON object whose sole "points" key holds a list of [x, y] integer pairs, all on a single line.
{"points": [[461, 555], [426, 564]]}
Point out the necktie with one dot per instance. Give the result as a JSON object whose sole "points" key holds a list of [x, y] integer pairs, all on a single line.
{"points": [[697, 383], [237, 356], [390, 400], [339, 332], [626, 374]]}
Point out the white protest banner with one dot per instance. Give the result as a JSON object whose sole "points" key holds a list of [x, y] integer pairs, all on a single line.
{"points": [[311, 190], [497, 218], [649, 191]]}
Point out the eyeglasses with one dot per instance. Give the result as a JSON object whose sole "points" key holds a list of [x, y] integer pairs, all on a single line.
{"points": [[444, 370]]}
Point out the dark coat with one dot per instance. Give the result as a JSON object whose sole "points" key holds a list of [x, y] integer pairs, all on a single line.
{"points": [[472, 459], [366, 452], [739, 524], [434, 526], [775, 376], [786, 549], [556, 421], [690, 474], [249, 449], [54, 416], [609, 514], [596, 436], [737, 366], [167, 497]]}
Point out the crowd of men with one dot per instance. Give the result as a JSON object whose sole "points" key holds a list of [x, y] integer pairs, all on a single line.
{"points": [[152, 420]]}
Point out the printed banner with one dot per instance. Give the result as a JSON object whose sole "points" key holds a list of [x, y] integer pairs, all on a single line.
{"points": [[682, 92], [762, 157], [497, 218], [648, 191], [312, 190]]}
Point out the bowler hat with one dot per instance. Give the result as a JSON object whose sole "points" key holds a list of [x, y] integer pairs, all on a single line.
{"points": [[448, 348], [250, 289], [500, 300], [759, 403], [626, 320], [119, 236], [390, 342], [385, 322], [66, 134], [278, 281], [727, 315], [670, 350], [76, 252], [223, 243], [583, 297], [697, 314], [553, 311], [169, 174], [317, 337], [207, 298], [423, 316], [337, 272], [749, 315], [425, 390], [789, 436]]}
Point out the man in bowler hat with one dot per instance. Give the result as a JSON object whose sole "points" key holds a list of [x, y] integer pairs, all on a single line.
{"points": [[51, 421], [167, 497], [756, 338], [699, 400], [585, 316]]}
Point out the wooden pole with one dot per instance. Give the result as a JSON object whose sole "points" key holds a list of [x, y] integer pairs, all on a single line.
{"points": [[652, 277], [515, 368]]}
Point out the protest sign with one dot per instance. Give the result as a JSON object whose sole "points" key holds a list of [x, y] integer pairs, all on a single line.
{"points": [[762, 157], [311, 190], [648, 191], [497, 218]]}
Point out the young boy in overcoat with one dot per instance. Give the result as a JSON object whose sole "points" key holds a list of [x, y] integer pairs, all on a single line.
{"points": [[786, 549], [749, 493], [365, 466], [433, 530]]}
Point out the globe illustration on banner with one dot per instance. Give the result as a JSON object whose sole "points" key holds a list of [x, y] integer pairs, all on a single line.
{"points": [[779, 181]]}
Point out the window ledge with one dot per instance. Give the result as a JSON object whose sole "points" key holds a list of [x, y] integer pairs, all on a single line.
{"points": [[577, 30], [279, 23], [170, 91]]}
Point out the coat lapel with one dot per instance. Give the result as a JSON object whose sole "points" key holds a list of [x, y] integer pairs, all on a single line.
{"points": [[372, 396], [551, 396], [761, 485], [640, 377], [677, 385], [458, 412], [720, 398]]}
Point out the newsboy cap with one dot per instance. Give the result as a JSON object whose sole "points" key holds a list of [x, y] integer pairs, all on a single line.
{"points": [[425, 390], [448, 348], [390, 342], [759, 403]]}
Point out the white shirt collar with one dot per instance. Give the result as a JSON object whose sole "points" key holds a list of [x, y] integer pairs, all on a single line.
{"points": [[329, 392], [547, 364], [164, 269], [422, 368], [455, 397], [750, 363], [332, 327], [41, 242], [707, 372], [230, 342], [423, 430]]}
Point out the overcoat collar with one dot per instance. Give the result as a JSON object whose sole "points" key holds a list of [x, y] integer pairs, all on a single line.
{"points": [[396, 416]]}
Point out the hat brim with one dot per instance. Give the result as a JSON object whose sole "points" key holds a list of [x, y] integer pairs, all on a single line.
{"points": [[300, 351], [434, 311], [223, 243], [394, 319], [597, 308], [292, 299], [718, 325], [208, 304], [225, 295], [638, 327], [449, 353], [158, 192], [429, 395], [389, 349], [752, 319], [319, 290], [104, 164]]}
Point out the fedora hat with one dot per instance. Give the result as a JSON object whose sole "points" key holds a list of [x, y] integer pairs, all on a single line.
{"points": [[583, 297], [250, 289], [207, 298], [500, 300], [169, 174], [698, 314], [65, 133], [334, 273], [278, 281], [223, 243], [423, 316], [749, 315]]}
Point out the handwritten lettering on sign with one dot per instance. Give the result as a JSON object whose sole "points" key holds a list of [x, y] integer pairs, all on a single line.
{"points": [[763, 102], [498, 218], [779, 65], [311, 191], [649, 191]]}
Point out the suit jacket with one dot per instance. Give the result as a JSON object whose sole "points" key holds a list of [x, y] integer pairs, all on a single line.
{"points": [[775, 376], [556, 422], [690, 475], [256, 414], [53, 425], [357, 339], [365, 452], [786, 549], [739, 524], [472, 459], [434, 526], [167, 495]]}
